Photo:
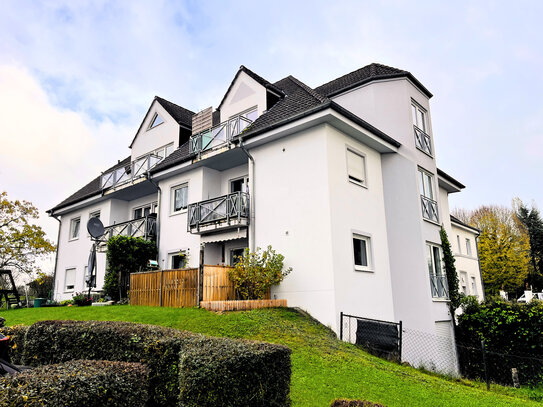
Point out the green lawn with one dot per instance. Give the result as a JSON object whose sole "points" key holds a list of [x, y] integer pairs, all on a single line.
{"points": [[323, 368]]}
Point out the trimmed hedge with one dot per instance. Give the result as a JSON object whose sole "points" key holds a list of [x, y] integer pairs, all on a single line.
{"points": [[354, 403], [16, 342], [226, 372], [77, 383], [49, 342]]}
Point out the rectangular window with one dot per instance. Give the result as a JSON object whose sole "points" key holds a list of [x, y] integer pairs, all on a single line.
{"points": [[420, 125], [69, 280], [468, 247], [356, 167], [438, 279], [178, 260], [145, 210], [179, 197], [236, 255], [74, 228], [473, 286], [464, 282], [458, 243], [362, 254], [428, 202], [239, 185]]}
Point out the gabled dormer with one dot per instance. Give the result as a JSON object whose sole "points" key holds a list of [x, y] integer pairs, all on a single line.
{"points": [[164, 128]]}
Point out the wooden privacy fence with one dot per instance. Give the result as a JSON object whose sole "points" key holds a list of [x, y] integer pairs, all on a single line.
{"points": [[179, 288]]}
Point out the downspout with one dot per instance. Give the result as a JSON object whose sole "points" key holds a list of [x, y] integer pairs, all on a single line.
{"points": [[479, 264], [56, 256], [148, 176], [252, 196]]}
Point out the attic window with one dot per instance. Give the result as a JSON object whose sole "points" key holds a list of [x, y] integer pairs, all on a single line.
{"points": [[156, 121]]}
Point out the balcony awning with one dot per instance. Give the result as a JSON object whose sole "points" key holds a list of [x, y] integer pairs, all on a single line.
{"points": [[224, 236]]}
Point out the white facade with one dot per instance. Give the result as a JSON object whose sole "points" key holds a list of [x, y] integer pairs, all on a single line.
{"points": [[344, 190]]}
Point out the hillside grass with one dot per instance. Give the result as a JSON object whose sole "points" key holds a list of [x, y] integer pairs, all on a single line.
{"points": [[323, 368]]}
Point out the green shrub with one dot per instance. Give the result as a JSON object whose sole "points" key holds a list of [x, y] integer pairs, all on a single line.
{"points": [[226, 372], [77, 383], [255, 272], [354, 403], [81, 299], [49, 342], [16, 343]]}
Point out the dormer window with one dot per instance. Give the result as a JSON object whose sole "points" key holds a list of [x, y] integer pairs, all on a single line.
{"points": [[157, 120]]}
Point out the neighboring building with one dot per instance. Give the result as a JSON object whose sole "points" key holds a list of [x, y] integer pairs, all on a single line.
{"points": [[341, 179]]}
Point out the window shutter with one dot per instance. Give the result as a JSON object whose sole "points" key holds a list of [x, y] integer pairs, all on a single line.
{"points": [[70, 278], [355, 166]]}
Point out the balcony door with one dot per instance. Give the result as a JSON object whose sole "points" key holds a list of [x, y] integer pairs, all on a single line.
{"points": [[239, 185], [145, 210]]}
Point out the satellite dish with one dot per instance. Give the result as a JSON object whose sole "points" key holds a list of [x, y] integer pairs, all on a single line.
{"points": [[95, 227]]}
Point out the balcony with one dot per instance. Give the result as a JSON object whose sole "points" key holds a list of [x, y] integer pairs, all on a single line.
{"points": [[439, 286], [219, 135], [130, 173], [225, 212], [429, 209], [422, 141], [142, 227]]}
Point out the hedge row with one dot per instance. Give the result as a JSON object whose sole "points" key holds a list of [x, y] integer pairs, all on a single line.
{"points": [[354, 403], [77, 383], [183, 367], [16, 342], [226, 372]]}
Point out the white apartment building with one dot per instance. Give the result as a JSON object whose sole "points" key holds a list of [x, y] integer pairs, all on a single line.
{"points": [[340, 179]]}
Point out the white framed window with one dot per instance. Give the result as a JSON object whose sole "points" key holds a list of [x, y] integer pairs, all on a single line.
{"points": [[473, 286], [69, 280], [239, 184], [420, 125], [155, 121], [468, 247], [179, 260], [145, 210], [236, 254], [438, 279], [179, 198], [362, 252], [356, 167], [75, 225], [458, 243], [427, 195], [464, 282]]}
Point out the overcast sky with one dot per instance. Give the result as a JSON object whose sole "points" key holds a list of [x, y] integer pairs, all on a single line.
{"points": [[76, 78]]}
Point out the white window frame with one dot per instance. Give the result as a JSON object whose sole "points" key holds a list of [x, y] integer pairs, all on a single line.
{"points": [[459, 245], [468, 247], [172, 198], [72, 289], [245, 179], [428, 197], [153, 208], [352, 178], [180, 252], [473, 286], [72, 226], [437, 275], [419, 116], [369, 255], [230, 250], [153, 120]]}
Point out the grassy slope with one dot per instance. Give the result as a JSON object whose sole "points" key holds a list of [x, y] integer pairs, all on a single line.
{"points": [[323, 368]]}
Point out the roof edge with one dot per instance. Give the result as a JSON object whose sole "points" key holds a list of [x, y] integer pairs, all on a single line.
{"points": [[453, 181]]}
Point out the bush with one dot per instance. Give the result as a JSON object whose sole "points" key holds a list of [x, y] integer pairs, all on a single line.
{"points": [[255, 272], [125, 255], [50, 342], [81, 299], [354, 403], [226, 372], [77, 383], [16, 342], [42, 286]]}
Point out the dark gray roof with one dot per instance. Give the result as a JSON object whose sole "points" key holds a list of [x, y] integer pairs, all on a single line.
{"points": [[454, 219], [257, 78], [364, 75], [446, 176], [180, 114], [179, 156], [91, 189]]}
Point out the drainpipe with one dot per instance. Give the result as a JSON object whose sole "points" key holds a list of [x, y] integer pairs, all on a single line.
{"points": [[56, 257], [148, 176], [252, 196]]}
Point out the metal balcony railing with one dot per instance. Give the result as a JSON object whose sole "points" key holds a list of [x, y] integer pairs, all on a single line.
{"points": [[439, 286], [221, 212], [142, 227], [219, 135], [136, 169], [422, 141], [429, 209]]}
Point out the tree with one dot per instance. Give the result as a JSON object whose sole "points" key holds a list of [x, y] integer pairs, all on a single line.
{"points": [[125, 255], [21, 242], [503, 248], [450, 271], [533, 224], [42, 286], [255, 272]]}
